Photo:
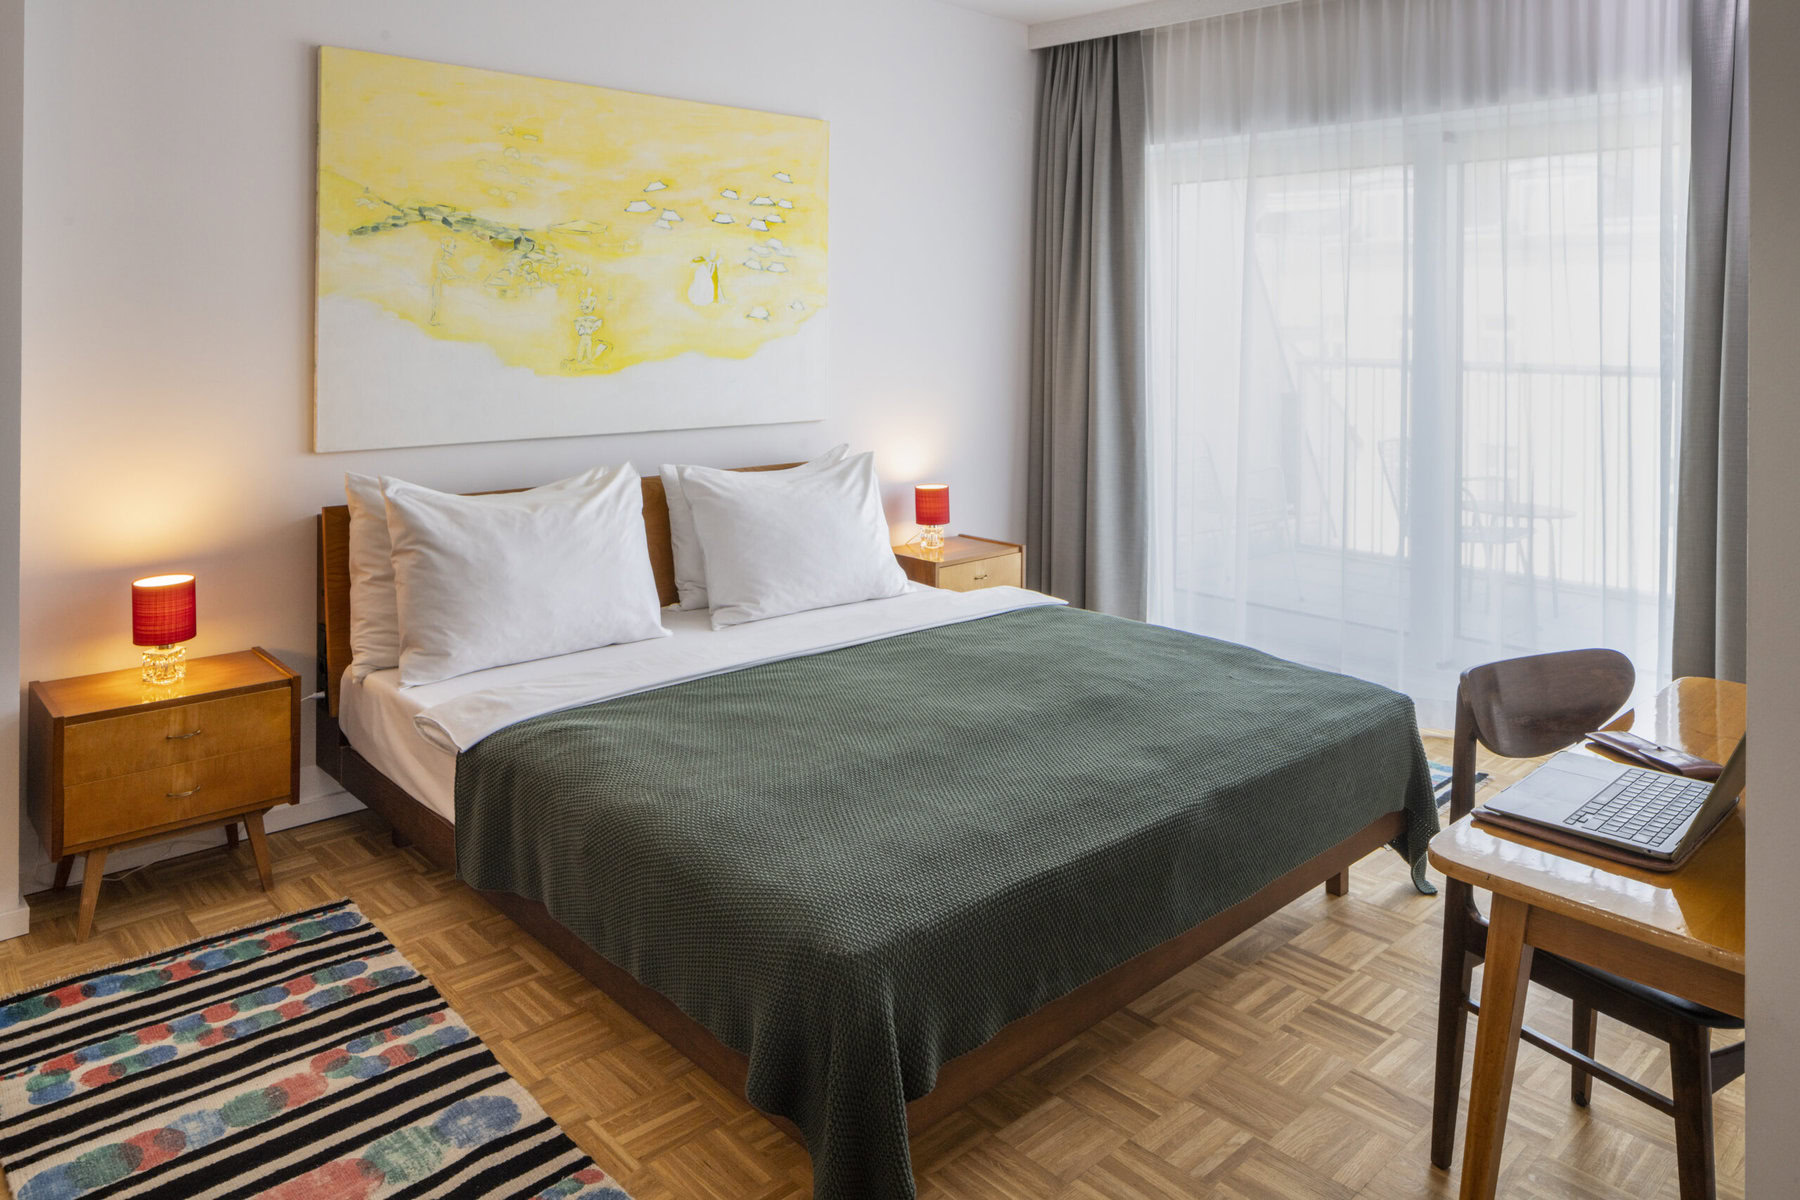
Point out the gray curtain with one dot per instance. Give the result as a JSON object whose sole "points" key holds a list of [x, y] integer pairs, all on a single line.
{"points": [[1086, 499], [1709, 524]]}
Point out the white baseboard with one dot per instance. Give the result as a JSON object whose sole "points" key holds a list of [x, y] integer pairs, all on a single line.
{"points": [[15, 922], [320, 798]]}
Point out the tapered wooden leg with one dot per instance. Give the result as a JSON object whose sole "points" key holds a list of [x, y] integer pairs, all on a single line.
{"points": [[63, 865], [1508, 976], [1585, 1028], [1690, 1056], [1338, 884], [259, 846], [1454, 973], [94, 866], [231, 836]]}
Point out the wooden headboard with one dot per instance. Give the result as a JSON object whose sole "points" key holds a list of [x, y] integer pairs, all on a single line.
{"points": [[334, 574]]}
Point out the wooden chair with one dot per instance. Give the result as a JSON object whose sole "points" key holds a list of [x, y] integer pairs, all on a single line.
{"points": [[1524, 708]]}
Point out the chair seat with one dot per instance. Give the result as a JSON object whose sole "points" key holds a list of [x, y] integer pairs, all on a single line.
{"points": [[1687, 1010]]}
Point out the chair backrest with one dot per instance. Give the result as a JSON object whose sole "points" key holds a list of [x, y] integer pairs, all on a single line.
{"points": [[1524, 707]]}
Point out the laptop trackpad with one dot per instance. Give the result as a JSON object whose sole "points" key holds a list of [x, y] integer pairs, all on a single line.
{"points": [[1551, 784]]}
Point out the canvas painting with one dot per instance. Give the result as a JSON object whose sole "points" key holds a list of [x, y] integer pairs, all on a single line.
{"points": [[505, 257]]}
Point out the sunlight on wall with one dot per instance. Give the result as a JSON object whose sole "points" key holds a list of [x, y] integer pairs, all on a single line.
{"points": [[907, 453]]}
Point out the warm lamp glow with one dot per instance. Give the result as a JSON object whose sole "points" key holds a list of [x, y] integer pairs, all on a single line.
{"points": [[162, 615], [931, 508]]}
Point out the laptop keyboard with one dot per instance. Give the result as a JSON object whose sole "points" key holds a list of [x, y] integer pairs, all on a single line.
{"points": [[1642, 807]]}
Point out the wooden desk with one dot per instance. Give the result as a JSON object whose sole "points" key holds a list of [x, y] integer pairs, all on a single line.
{"points": [[1681, 932]]}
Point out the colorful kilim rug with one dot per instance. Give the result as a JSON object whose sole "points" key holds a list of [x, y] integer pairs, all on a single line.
{"points": [[1440, 781], [301, 1059]]}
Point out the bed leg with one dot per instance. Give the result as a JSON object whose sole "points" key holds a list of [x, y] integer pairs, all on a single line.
{"points": [[1339, 884], [401, 841]]}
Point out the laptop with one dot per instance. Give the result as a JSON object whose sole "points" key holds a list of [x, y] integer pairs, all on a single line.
{"points": [[1632, 814]]}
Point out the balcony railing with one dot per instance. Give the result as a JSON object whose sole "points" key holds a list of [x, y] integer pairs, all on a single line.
{"points": [[1560, 472]]}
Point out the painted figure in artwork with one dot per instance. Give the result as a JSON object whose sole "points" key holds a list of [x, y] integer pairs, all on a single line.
{"points": [[587, 324], [443, 270], [704, 288]]}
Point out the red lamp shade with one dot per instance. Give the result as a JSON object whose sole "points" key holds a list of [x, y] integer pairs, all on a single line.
{"points": [[931, 504], [162, 610]]}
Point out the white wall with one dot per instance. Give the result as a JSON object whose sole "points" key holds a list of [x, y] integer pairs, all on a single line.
{"points": [[12, 126], [1772, 1101], [168, 261]]}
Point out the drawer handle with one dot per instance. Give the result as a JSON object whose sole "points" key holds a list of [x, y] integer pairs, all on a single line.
{"points": [[182, 737], [180, 795], [981, 577]]}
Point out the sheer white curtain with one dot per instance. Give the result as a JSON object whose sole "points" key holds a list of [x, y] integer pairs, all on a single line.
{"points": [[1414, 330]]}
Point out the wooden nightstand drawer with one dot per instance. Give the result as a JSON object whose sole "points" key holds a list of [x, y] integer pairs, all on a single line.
{"points": [[1004, 571], [148, 800], [126, 745]]}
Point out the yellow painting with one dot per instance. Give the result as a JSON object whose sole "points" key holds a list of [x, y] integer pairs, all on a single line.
{"points": [[501, 256]]}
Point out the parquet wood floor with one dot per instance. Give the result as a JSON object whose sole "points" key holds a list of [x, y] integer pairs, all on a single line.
{"points": [[1295, 1062]]}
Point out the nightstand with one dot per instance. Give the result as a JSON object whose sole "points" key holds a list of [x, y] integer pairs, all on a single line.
{"points": [[114, 761], [965, 564]]}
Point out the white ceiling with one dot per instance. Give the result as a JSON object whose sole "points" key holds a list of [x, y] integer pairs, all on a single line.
{"points": [[1031, 12], [1053, 22]]}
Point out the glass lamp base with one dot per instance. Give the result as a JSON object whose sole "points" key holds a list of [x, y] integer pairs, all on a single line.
{"points": [[931, 537], [164, 665]]}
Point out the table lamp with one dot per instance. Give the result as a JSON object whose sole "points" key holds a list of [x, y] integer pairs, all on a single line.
{"points": [[931, 509], [162, 617]]}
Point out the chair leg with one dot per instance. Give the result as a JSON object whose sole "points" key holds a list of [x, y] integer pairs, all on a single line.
{"points": [[1454, 975], [1690, 1057], [1586, 1021]]}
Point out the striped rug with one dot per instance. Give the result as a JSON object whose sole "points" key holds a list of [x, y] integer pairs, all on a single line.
{"points": [[301, 1059]]}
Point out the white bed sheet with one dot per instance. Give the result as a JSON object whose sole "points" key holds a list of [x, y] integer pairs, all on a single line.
{"points": [[376, 718], [412, 735]]}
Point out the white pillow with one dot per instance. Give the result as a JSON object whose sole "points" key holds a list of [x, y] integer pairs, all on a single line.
{"points": [[481, 581], [374, 621], [786, 541], [690, 562], [374, 617]]}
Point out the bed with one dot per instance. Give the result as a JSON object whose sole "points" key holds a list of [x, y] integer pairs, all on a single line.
{"points": [[872, 861]]}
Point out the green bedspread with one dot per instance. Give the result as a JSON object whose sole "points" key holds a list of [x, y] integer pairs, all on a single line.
{"points": [[857, 865]]}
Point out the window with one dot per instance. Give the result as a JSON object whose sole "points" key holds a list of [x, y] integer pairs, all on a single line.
{"points": [[1414, 375]]}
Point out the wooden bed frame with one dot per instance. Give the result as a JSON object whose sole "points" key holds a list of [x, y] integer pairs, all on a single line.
{"points": [[962, 1079]]}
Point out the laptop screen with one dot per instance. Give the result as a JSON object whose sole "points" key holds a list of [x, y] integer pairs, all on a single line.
{"points": [[1730, 783]]}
